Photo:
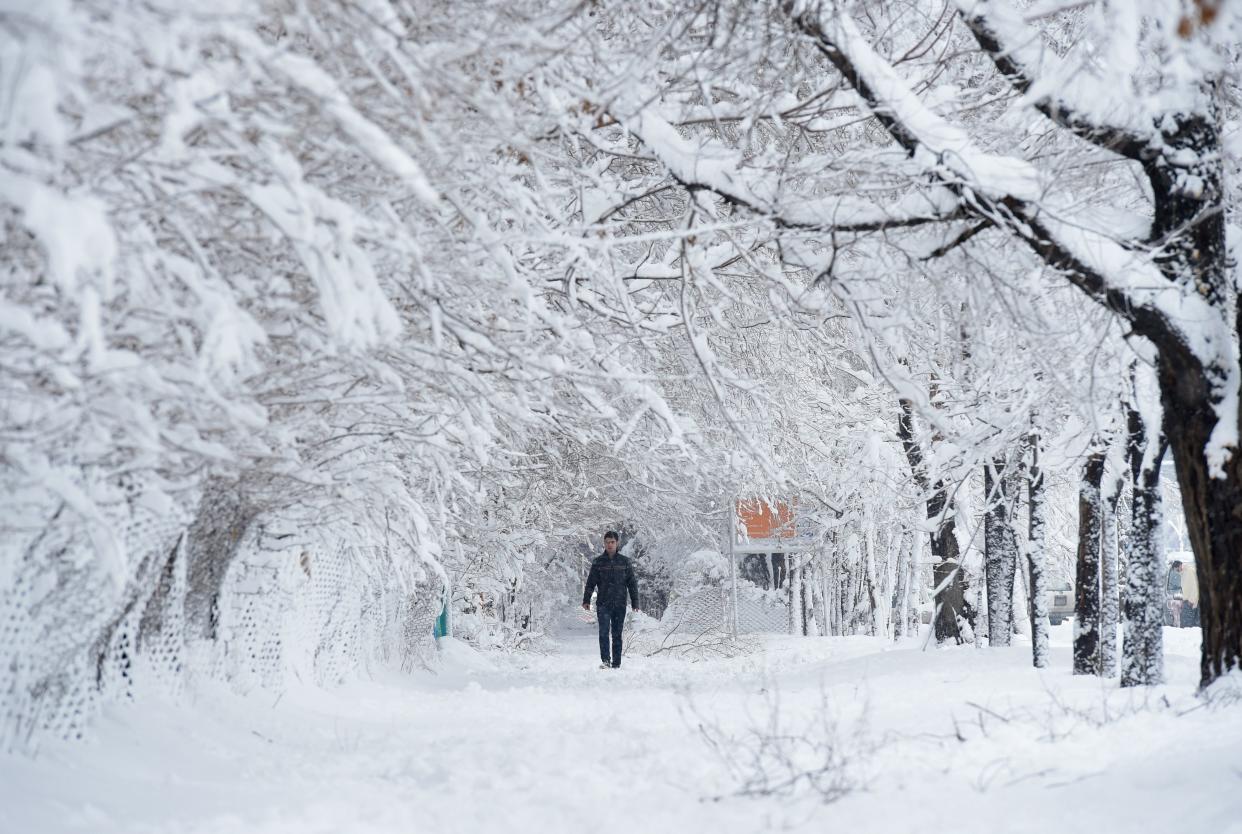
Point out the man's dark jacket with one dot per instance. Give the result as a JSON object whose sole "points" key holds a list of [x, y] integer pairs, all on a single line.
{"points": [[613, 575]]}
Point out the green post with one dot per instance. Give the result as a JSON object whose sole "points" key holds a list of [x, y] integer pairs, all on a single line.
{"points": [[444, 625], [441, 626]]}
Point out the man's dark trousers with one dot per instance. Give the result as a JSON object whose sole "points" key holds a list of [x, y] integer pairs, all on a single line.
{"points": [[610, 620]]}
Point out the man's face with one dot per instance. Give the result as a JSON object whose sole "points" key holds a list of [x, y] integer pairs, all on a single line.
{"points": [[610, 546]]}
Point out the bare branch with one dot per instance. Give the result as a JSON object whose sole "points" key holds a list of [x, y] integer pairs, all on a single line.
{"points": [[941, 251]]}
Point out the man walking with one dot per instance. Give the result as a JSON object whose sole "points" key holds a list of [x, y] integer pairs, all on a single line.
{"points": [[613, 575]]}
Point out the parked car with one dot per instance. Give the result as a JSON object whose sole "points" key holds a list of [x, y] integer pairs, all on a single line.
{"points": [[1060, 601]]}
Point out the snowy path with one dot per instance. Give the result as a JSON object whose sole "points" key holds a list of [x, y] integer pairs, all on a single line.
{"points": [[550, 743]]}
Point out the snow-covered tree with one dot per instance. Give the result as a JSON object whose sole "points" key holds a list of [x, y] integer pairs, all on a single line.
{"points": [[1134, 90]]}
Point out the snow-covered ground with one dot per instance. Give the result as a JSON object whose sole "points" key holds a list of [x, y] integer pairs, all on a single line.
{"points": [[939, 740]]}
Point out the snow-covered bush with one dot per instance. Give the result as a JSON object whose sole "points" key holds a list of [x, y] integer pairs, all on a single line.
{"points": [[701, 569]]}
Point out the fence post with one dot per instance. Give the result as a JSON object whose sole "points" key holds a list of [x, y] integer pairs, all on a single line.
{"points": [[444, 622], [731, 520]]}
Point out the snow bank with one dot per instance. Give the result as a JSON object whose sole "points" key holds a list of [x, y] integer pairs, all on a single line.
{"points": [[965, 739]]}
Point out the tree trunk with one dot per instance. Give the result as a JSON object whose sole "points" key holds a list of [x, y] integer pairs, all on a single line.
{"points": [[807, 584], [1142, 646], [947, 578], [818, 600], [912, 542], [797, 615], [1021, 592], [1000, 549], [1087, 583], [212, 542], [952, 607], [1192, 221], [951, 596], [832, 594], [870, 577], [1109, 597], [980, 625], [1213, 511], [888, 597], [1036, 557]]}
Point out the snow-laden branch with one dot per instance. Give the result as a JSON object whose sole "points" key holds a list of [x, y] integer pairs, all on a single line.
{"points": [[1073, 100], [1011, 193], [304, 73], [939, 147], [709, 165]]}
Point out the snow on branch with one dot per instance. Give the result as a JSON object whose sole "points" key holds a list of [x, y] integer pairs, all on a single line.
{"points": [[303, 72], [1071, 100], [708, 165], [1012, 193], [943, 149]]}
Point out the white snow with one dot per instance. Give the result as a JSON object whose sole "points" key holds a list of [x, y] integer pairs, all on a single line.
{"points": [[74, 230], [964, 739], [1098, 89], [711, 164], [941, 144], [370, 138]]}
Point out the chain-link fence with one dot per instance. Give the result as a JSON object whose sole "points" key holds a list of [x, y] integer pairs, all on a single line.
{"points": [[72, 639], [78, 604], [322, 614], [699, 625], [758, 611]]}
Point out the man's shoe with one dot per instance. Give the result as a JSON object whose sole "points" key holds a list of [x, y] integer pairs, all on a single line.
{"points": [[605, 666], [616, 666]]}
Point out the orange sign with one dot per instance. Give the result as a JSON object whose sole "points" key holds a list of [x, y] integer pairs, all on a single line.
{"points": [[763, 521]]}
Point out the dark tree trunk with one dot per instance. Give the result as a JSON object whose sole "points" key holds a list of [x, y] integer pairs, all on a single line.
{"points": [[951, 599], [1036, 558], [952, 608], [159, 607], [1142, 647], [1087, 590], [1192, 222], [1213, 509], [211, 544], [1110, 597], [1000, 548], [947, 576]]}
